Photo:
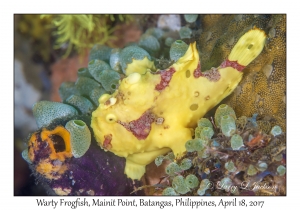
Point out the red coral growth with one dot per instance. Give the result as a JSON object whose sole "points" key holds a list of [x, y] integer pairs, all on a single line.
{"points": [[107, 142], [141, 127], [197, 72], [233, 64], [166, 77]]}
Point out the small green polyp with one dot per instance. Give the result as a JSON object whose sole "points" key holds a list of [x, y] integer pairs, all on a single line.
{"points": [[228, 126], [204, 185], [85, 85], [149, 43], [179, 185], [80, 137], [114, 60], [190, 18], [169, 191], [25, 156], [172, 169], [45, 112], [178, 49], [100, 52], [185, 32], [81, 103], [251, 170], [96, 67], [204, 122], [191, 181], [84, 72], [230, 166], [236, 142], [221, 111], [194, 145], [185, 164], [276, 130], [281, 170], [135, 59], [66, 89], [207, 133]]}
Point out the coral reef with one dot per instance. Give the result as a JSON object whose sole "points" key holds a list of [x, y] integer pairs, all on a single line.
{"points": [[219, 167], [263, 87]]}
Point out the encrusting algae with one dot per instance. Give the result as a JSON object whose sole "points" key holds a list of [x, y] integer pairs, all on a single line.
{"points": [[153, 113]]}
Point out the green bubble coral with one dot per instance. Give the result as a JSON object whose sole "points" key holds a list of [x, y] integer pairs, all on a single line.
{"points": [[179, 185], [281, 170], [141, 58], [262, 166], [276, 130], [224, 183], [25, 156], [191, 181], [204, 185], [236, 142], [230, 166], [80, 137], [251, 171], [190, 18], [198, 132], [170, 156], [206, 133], [156, 32], [172, 169], [169, 41], [85, 85], [221, 111], [114, 60], [204, 122], [109, 79], [100, 52], [190, 146], [96, 67], [185, 164], [84, 72], [169, 191], [185, 32], [45, 112], [194, 145], [67, 89], [95, 94], [149, 43], [178, 49], [158, 161], [228, 126], [81, 103]]}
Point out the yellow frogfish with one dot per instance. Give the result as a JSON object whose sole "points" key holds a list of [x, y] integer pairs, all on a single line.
{"points": [[151, 114]]}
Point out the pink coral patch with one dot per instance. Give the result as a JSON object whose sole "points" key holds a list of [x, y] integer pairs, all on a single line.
{"points": [[197, 72], [141, 127], [166, 77], [233, 64]]}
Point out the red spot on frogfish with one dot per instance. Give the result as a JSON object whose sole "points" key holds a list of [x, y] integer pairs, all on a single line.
{"points": [[107, 142], [233, 64], [197, 72], [166, 77], [141, 127]]}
